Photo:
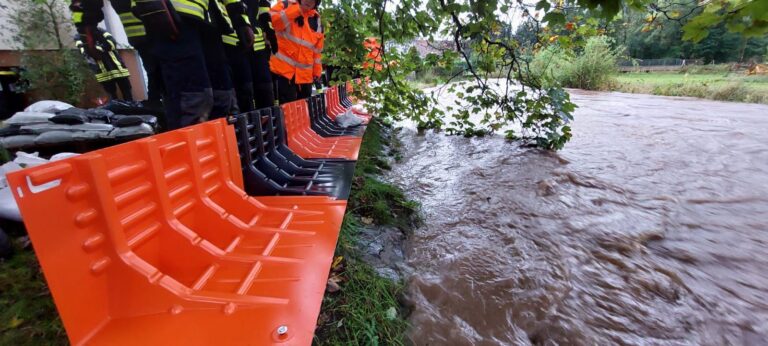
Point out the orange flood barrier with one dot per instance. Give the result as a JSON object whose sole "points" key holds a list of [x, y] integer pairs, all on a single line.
{"points": [[307, 143], [154, 242], [336, 104]]}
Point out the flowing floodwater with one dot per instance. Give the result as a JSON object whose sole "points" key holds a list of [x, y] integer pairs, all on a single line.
{"points": [[649, 228]]}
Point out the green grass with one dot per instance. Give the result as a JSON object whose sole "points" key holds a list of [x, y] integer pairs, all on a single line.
{"points": [[366, 310], [27, 313], [723, 86]]}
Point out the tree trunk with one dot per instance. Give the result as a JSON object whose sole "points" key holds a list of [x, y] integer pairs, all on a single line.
{"points": [[51, 4]]}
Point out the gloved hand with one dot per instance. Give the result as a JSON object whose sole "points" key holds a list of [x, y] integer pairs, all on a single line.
{"points": [[300, 21], [89, 35], [318, 83], [245, 34]]}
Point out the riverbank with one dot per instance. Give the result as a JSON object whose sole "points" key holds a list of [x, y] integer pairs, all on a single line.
{"points": [[362, 305], [27, 313], [713, 85]]}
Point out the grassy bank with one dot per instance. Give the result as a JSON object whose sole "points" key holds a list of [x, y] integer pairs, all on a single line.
{"points": [[365, 308], [721, 86], [27, 313]]}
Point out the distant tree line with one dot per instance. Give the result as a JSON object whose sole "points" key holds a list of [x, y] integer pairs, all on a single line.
{"points": [[655, 35], [663, 38]]}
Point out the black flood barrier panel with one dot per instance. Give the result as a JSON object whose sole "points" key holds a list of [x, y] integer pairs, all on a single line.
{"points": [[267, 170], [322, 123], [343, 97]]}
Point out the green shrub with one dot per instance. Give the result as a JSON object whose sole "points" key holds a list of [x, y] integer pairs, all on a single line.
{"points": [[551, 65], [55, 75], [592, 68], [54, 69]]}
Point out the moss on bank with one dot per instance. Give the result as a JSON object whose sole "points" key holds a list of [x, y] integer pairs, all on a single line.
{"points": [[365, 308]]}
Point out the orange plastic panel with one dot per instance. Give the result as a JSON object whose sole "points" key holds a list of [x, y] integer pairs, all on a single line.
{"points": [[298, 116], [151, 242], [334, 107], [308, 144]]}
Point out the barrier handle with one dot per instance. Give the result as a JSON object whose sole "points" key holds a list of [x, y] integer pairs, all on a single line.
{"points": [[48, 174]]}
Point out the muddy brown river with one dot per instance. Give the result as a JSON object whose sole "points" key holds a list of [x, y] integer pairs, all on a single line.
{"points": [[649, 228]]}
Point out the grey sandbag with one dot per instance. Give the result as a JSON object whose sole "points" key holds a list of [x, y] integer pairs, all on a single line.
{"points": [[348, 119], [89, 135], [54, 137], [128, 121], [9, 131], [100, 115], [17, 141], [69, 117], [132, 131], [42, 128], [27, 118], [118, 121]]}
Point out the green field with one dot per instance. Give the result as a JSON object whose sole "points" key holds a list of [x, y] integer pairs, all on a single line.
{"points": [[723, 86]]}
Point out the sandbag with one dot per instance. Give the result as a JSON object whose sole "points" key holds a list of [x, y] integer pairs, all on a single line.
{"points": [[125, 107], [70, 119], [26, 118], [48, 107], [9, 131], [55, 137], [19, 141], [43, 128], [348, 119], [131, 132]]}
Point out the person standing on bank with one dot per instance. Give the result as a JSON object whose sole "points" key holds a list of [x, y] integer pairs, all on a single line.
{"points": [[185, 40], [296, 65], [106, 63], [264, 46]]}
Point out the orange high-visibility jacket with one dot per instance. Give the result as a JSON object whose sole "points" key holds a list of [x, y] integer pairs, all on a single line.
{"points": [[299, 47]]}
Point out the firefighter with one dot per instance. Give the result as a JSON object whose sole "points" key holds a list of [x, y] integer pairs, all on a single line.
{"points": [[297, 64], [106, 63], [137, 37], [185, 40], [238, 57], [264, 46]]}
